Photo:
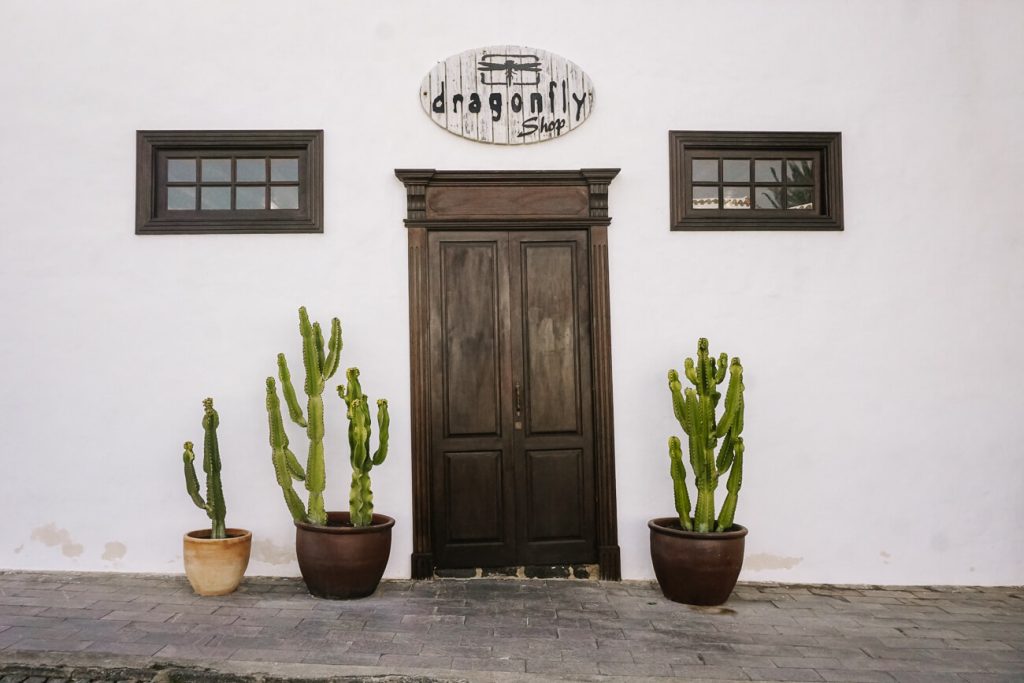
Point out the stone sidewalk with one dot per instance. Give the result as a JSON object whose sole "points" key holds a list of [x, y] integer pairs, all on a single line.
{"points": [[510, 630]]}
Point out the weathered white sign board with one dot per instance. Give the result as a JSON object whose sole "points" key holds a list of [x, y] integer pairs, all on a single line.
{"points": [[507, 95]]}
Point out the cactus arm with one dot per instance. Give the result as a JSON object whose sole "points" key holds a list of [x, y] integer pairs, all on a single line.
{"points": [[314, 378], [294, 468], [360, 496], [216, 508], [689, 371], [733, 396], [705, 370], [333, 349], [316, 477], [288, 389], [191, 481], [383, 424], [675, 387], [725, 453], [723, 367], [279, 454], [733, 486], [680, 493], [318, 337]]}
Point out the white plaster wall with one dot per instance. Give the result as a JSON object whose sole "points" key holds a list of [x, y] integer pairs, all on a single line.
{"points": [[883, 374]]}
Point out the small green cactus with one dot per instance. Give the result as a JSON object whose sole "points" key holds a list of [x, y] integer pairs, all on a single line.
{"points": [[695, 410], [319, 368], [358, 410], [214, 503]]}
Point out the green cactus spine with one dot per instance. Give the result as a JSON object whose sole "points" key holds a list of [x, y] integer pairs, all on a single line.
{"points": [[695, 409], [319, 368], [358, 412], [214, 503]]}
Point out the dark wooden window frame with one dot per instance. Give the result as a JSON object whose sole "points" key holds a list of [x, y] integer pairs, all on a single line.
{"points": [[510, 200], [824, 148], [153, 147]]}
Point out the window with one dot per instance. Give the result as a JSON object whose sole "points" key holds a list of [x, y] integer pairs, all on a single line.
{"points": [[229, 181], [755, 181]]}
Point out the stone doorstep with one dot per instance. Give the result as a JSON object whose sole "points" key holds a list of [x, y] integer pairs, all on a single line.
{"points": [[589, 572]]}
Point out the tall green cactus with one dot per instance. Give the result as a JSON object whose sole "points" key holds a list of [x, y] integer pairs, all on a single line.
{"points": [[319, 368], [694, 408], [360, 499], [214, 503]]}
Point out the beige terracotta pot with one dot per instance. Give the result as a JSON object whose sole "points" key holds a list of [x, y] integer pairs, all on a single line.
{"points": [[216, 566]]}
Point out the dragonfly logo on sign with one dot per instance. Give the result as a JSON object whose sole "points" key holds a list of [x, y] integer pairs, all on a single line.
{"points": [[507, 95]]}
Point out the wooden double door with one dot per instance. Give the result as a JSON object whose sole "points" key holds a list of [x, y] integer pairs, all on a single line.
{"points": [[510, 403]]}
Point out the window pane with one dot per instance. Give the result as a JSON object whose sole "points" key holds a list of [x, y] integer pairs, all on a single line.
{"points": [[284, 197], [181, 198], [181, 170], [768, 198], [800, 172], [737, 197], [705, 197], [216, 170], [215, 198], [736, 170], [800, 198], [705, 169], [251, 170], [250, 198], [284, 169], [768, 170]]}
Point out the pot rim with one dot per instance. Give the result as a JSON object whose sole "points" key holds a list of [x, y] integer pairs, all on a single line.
{"points": [[240, 536], [661, 526], [379, 523]]}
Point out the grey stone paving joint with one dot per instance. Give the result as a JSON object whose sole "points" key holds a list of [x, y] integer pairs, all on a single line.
{"points": [[501, 629]]}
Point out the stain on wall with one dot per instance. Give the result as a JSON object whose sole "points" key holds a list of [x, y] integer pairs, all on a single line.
{"points": [[51, 536], [265, 550], [764, 561], [114, 550]]}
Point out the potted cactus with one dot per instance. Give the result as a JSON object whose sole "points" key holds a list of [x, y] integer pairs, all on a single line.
{"points": [[341, 554], [697, 558], [215, 558]]}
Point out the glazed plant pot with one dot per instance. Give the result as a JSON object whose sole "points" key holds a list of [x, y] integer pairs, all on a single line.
{"points": [[215, 566], [695, 568], [339, 561]]}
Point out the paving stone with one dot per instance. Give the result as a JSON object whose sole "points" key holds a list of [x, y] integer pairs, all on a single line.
{"points": [[701, 672], [391, 660], [783, 674], [266, 655], [633, 669], [854, 676], [119, 648]]}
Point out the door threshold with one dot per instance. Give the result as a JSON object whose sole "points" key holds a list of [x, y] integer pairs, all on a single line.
{"points": [[589, 572]]}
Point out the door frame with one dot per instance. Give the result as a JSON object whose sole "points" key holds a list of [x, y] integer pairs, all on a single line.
{"points": [[510, 200]]}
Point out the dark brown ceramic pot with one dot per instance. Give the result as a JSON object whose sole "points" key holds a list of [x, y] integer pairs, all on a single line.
{"points": [[339, 561], [693, 568]]}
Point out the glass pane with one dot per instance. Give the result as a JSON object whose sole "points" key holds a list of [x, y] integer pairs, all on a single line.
{"points": [[768, 198], [181, 170], [250, 198], [284, 169], [705, 169], [800, 198], [737, 197], [251, 170], [216, 170], [800, 172], [705, 197], [284, 197], [736, 170], [768, 170], [181, 198], [215, 198]]}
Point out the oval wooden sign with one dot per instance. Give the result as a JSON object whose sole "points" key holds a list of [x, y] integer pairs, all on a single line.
{"points": [[507, 95]]}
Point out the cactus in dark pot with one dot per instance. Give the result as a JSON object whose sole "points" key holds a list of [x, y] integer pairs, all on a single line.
{"points": [[358, 411], [695, 409], [319, 368], [214, 503]]}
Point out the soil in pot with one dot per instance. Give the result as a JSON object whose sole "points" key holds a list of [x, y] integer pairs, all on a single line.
{"points": [[215, 566], [695, 568], [340, 561]]}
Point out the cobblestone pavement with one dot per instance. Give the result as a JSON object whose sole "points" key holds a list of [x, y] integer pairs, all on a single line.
{"points": [[508, 630]]}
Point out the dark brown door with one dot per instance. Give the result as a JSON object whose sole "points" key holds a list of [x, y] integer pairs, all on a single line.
{"points": [[511, 424]]}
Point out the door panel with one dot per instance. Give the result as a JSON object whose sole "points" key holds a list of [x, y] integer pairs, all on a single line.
{"points": [[512, 445]]}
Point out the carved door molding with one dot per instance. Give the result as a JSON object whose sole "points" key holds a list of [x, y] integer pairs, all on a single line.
{"points": [[510, 200]]}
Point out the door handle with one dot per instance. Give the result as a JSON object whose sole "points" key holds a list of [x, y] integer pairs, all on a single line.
{"points": [[518, 400]]}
